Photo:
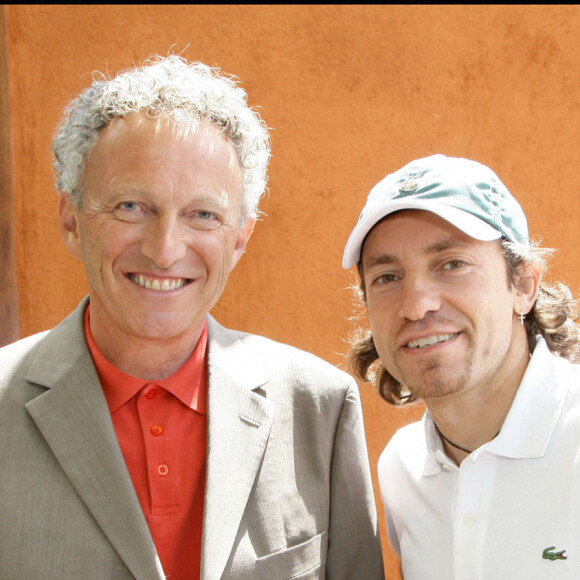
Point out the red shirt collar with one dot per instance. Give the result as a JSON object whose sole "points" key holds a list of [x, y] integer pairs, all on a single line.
{"points": [[188, 383]]}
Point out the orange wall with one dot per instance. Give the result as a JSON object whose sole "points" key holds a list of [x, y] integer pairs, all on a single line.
{"points": [[351, 93]]}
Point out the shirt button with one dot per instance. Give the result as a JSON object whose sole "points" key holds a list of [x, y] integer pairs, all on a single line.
{"points": [[162, 469], [468, 520], [151, 394], [156, 430]]}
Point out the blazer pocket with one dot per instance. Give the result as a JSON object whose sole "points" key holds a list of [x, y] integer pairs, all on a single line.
{"points": [[302, 562]]}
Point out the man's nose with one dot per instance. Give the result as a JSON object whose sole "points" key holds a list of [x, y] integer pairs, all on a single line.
{"points": [[164, 242], [419, 296]]}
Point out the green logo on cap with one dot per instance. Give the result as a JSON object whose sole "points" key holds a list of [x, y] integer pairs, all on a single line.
{"points": [[410, 185]]}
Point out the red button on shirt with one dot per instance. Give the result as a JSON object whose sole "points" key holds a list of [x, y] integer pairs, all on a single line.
{"points": [[168, 472], [156, 430]]}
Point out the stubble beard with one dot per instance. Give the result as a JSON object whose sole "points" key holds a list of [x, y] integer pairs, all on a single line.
{"points": [[433, 382]]}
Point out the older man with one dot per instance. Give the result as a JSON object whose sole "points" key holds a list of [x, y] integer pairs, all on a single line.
{"points": [[484, 487], [139, 438]]}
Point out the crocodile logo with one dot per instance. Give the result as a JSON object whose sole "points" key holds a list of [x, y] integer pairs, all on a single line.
{"points": [[547, 554]]}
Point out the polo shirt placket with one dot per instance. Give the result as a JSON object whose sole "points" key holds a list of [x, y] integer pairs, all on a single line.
{"points": [[162, 463]]}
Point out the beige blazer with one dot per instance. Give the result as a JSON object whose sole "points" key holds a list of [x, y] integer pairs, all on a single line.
{"points": [[288, 491]]}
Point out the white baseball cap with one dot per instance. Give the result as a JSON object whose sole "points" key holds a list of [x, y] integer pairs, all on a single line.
{"points": [[465, 193]]}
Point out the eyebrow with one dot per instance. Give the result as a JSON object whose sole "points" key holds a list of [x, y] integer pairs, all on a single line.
{"points": [[435, 248]]}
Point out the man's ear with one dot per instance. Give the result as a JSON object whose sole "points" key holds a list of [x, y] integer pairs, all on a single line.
{"points": [[68, 221], [526, 286], [242, 241]]}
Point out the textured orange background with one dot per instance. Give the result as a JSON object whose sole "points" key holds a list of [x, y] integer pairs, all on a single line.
{"points": [[351, 93]]}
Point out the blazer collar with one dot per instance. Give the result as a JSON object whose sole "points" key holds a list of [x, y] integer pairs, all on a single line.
{"points": [[74, 419], [234, 354], [239, 423]]}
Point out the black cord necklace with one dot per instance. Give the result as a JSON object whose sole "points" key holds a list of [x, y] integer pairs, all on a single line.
{"points": [[451, 442], [455, 444]]}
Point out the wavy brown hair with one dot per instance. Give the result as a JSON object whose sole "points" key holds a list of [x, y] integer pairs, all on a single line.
{"points": [[554, 317]]}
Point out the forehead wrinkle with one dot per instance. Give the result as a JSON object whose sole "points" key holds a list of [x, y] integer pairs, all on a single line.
{"points": [[438, 247]]}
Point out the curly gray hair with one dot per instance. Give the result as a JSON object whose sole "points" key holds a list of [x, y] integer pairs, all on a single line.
{"points": [[163, 86]]}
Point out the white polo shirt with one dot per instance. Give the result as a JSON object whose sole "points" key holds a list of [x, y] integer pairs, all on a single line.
{"points": [[511, 511]]}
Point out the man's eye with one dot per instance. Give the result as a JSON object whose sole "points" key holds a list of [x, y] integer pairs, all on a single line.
{"points": [[128, 206], [205, 220], [386, 278], [129, 211], [453, 265]]}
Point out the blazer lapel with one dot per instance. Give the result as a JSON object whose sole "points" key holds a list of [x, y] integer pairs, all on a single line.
{"points": [[74, 419], [239, 423]]}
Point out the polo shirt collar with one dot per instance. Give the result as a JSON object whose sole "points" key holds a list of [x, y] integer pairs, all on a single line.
{"points": [[529, 424], [188, 383], [538, 403], [435, 457]]}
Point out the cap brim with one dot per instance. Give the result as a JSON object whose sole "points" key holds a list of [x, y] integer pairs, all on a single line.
{"points": [[469, 224]]}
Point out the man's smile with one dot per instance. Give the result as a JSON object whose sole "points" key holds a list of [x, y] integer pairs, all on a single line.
{"points": [[161, 284], [430, 340]]}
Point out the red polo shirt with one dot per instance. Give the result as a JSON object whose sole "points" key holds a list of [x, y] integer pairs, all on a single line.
{"points": [[161, 428]]}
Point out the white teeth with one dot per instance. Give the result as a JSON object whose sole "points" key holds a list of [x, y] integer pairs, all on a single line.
{"points": [[430, 340], [156, 284]]}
